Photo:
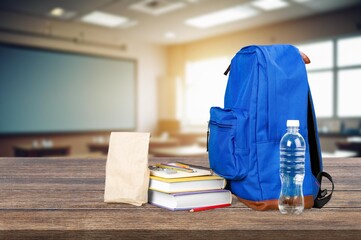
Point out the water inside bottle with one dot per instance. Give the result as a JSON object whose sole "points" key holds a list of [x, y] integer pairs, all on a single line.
{"points": [[291, 205], [292, 170]]}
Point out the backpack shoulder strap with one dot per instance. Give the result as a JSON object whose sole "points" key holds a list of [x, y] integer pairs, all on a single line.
{"points": [[316, 158], [313, 140], [322, 197]]}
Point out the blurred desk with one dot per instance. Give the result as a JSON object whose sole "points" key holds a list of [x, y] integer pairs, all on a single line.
{"points": [[158, 142], [30, 151], [181, 151], [202, 141], [98, 147], [350, 146], [339, 154], [189, 137], [153, 144]]}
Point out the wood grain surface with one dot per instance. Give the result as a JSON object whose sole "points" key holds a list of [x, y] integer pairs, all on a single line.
{"points": [[62, 198]]}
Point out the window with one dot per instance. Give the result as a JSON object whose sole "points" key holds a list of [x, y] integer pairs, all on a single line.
{"points": [[349, 97], [335, 76], [320, 54], [349, 52], [204, 87], [321, 84], [349, 77], [320, 75]]}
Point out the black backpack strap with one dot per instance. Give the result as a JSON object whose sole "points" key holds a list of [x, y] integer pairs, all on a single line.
{"points": [[322, 197], [315, 157], [313, 142]]}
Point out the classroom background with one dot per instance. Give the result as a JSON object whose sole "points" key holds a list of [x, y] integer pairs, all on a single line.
{"points": [[71, 72]]}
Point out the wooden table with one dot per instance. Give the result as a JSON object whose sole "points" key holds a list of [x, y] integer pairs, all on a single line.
{"points": [[62, 198]]}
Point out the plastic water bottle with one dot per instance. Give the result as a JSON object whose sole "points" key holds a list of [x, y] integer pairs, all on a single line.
{"points": [[292, 170]]}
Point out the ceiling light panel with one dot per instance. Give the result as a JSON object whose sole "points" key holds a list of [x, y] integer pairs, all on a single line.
{"points": [[128, 24], [61, 13], [301, 1], [104, 19], [157, 7], [169, 35], [222, 17], [269, 5], [57, 12]]}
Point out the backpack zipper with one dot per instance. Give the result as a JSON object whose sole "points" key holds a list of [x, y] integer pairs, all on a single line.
{"points": [[221, 125]]}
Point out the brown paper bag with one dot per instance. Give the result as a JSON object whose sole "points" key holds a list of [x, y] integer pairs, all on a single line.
{"points": [[127, 173]]}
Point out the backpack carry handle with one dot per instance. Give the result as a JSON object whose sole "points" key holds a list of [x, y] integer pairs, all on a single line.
{"points": [[227, 70], [304, 58]]}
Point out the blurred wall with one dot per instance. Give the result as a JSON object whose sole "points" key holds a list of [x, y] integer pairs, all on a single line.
{"points": [[151, 67], [159, 68]]}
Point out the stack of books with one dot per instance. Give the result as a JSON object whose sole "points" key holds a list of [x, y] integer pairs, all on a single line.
{"points": [[179, 186]]}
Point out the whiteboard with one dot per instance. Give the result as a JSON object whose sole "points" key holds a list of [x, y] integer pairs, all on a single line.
{"points": [[48, 91]]}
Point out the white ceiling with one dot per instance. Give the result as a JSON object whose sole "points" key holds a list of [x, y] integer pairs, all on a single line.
{"points": [[151, 28]]}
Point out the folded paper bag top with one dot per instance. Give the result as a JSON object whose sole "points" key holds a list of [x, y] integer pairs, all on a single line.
{"points": [[127, 173]]}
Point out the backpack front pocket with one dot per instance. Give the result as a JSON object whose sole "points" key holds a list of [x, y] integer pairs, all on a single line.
{"points": [[228, 148]]}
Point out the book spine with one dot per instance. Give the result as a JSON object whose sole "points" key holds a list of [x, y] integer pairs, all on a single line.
{"points": [[200, 192]]}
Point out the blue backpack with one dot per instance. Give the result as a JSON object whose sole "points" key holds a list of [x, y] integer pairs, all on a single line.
{"points": [[267, 85]]}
